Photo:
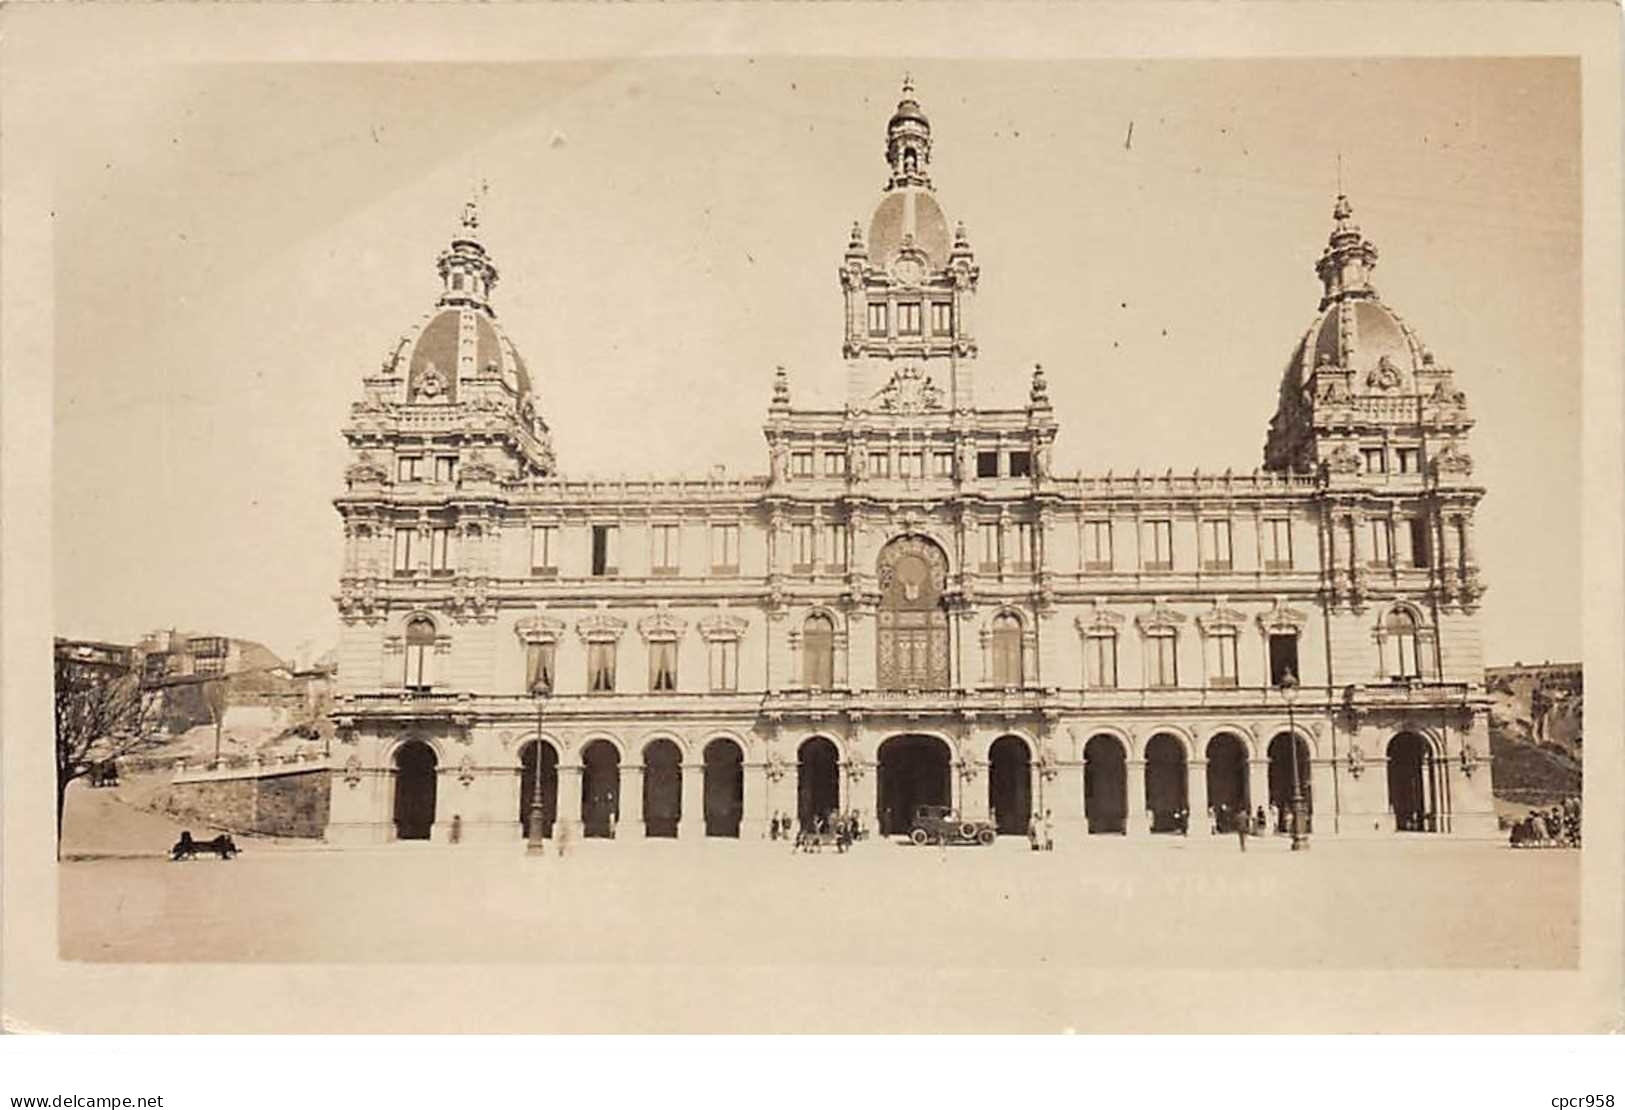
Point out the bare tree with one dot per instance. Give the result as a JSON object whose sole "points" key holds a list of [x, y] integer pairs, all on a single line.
{"points": [[102, 713]]}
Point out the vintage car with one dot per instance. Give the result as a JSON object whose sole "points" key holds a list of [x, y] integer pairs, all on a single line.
{"points": [[941, 825]]}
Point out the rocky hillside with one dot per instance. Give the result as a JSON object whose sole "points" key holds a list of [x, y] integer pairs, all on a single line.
{"points": [[1536, 736]]}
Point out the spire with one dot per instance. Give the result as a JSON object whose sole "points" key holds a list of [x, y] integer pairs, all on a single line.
{"points": [[466, 271], [908, 142], [781, 389], [1345, 265]]}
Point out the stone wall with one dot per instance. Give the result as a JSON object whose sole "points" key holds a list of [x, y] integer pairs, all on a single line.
{"points": [[288, 803]]}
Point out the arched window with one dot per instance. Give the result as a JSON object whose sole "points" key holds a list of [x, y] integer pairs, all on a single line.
{"points": [[1007, 650], [419, 653], [818, 652], [1401, 658]]}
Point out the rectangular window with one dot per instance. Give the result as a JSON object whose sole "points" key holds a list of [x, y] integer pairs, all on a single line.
{"points": [[445, 468], [1277, 544], [1162, 659], [663, 666], [1408, 460], [539, 655], [1421, 552], [1216, 554], [1223, 671], [908, 318], [803, 552], [440, 551], [835, 552], [1097, 545], [724, 665], [1159, 552], [990, 546], [1283, 656], [1026, 547], [909, 464], [544, 540], [403, 551], [1374, 460], [665, 548], [601, 666], [877, 318], [1382, 553], [409, 468], [605, 542], [725, 548], [1021, 464], [801, 464], [1100, 661], [834, 464], [879, 464], [987, 464], [942, 317], [943, 464]]}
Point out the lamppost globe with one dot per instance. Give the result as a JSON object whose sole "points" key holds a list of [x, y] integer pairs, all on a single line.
{"points": [[534, 844]]}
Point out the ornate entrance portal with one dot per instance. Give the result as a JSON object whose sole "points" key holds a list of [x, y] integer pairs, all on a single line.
{"points": [[913, 771], [912, 652], [415, 775]]}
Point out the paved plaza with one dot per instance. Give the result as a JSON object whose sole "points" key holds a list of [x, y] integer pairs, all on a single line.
{"points": [[1156, 903]]}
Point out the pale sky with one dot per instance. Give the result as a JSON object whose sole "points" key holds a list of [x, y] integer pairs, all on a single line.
{"points": [[238, 245]]}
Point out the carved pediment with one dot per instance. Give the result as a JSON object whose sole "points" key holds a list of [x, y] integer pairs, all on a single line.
{"points": [[1099, 620], [661, 625], [600, 626], [1452, 460], [1282, 617], [1343, 460], [538, 629], [1221, 617], [366, 469], [723, 626], [1159, 616]]}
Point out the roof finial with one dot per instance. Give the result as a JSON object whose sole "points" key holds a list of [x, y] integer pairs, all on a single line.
{"points": [[908, 83]]}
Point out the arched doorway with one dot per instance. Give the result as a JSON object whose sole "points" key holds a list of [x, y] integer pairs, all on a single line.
{"points": [[662, 788], [1105, 785], [1165, 786], [527, 786], [1280, 754], [818, 780], [416, 772], [1010, 785], [912, 624], [724, 787], [1413, 784], [913, 771], [1227, 789], [600, 788]]}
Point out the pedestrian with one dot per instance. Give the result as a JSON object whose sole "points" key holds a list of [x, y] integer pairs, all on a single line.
{"points": [[1049, 832], [1261, 822], [562, 836], [456, 835], [1241, 830], [1212, 822]]}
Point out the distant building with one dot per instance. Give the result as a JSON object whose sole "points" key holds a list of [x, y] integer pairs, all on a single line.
{"points": [[911, 607], [97, 655]]}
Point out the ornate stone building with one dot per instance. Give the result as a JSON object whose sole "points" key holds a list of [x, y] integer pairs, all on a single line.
{"points": [[911, 606]]}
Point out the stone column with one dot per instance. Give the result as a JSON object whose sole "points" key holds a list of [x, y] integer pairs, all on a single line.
{"points": [[630, 825], [1137, 822], [1258, 788], [753, 822], [568, 819], [1196, 792], [691, 825], [1063, 796]]}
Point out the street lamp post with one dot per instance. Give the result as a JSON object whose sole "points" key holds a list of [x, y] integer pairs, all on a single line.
{"points": [[533, 842], [1289, 692]]}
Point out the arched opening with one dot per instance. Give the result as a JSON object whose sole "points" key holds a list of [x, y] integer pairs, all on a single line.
{"points": [[527, 786], [1401, 657], [1105, 785], [724, 788], [1227, 791], [1280, 753], [416, 772], [818, 780], [913, 771], [912, 623], [1006, 648], [1010, 785], [1165, 786], [662, 788], [419, 654], [1413, 784], [600, 788], [818, 652]]}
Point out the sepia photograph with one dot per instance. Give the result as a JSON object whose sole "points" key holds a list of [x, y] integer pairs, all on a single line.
{"points": [[719, 520]]}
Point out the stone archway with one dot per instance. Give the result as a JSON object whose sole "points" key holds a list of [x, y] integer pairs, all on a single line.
{"points": [[911, 771], [1010, 785], [1413, 784], [416, 779], [724, 787], [1166, 789], [600, 789], [818, 780], [527, 785], [1105, 784], [1280, 755], [1227, 788], [662, 788], [912, 623]]}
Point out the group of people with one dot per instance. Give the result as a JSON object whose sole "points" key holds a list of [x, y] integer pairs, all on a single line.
{"points": [[1041, 833], [1557, 827], [842, 829]]}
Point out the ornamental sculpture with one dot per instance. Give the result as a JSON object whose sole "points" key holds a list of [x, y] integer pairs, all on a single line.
{"points": [[909, 391]]}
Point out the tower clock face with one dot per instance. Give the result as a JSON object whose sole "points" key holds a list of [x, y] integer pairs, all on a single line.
{"points": [[908, 271]]}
